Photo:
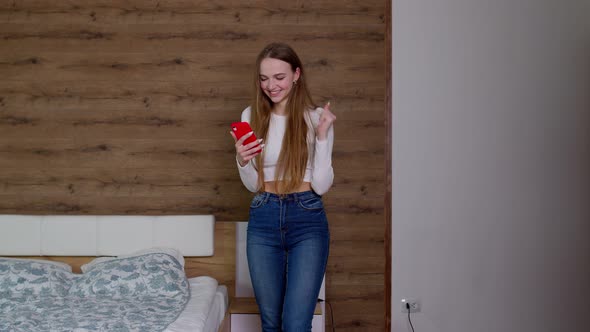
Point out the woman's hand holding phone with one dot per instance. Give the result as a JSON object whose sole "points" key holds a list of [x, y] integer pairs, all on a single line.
{"points": [[242, 133]]}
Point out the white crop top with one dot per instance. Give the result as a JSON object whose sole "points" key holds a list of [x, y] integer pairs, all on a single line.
{"points": [[319, 169]]}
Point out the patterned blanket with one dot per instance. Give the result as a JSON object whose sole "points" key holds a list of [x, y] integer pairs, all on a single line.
{"points": [[141, 293]]}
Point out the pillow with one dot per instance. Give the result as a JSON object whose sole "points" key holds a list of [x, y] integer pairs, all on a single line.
{"points": [[150, 274], [31, 277], [62, 265], [170, 251]]}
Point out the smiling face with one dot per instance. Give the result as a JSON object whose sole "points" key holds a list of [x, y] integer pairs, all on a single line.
{"points": [[276, 80]]}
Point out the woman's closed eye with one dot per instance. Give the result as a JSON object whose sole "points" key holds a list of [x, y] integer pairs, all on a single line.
{"points": [[278, 78]]}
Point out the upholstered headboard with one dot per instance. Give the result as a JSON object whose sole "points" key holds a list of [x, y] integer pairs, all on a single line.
{"points": [[67, 235]]}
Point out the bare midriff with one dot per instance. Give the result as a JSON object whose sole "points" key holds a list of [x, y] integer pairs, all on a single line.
{"points": [[271, 187]]}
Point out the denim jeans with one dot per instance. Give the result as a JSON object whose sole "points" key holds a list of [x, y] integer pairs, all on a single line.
{"points": [[287, 249]]}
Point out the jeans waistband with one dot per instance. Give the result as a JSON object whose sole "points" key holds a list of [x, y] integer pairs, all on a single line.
{"points": [[303, 195]]}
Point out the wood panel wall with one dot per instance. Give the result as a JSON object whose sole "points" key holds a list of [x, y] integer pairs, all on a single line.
{"points": [[123, 107]]}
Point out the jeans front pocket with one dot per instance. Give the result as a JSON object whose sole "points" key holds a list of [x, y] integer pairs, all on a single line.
{"points": [[312, 203], [258, 201]]}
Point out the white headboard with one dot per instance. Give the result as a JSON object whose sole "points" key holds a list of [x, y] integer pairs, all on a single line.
{"points": [[67, 235]]}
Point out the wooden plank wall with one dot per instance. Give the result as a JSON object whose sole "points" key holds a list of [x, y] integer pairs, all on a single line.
{"points": [[123, 107]]}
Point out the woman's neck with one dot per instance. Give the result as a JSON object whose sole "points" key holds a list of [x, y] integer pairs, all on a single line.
{"points": [[280, 108]]}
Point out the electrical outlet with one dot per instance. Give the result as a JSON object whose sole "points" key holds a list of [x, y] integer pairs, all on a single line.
{"points": [[414, 306]]}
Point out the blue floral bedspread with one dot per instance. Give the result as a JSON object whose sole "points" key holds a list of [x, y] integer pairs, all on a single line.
{"points": [[140, 293]]}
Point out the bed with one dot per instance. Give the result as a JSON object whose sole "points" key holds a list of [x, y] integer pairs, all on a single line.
{"points": [[137, 282]]}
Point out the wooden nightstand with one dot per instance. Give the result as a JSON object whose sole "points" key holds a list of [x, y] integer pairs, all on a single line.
{"points": [[245, 316]]}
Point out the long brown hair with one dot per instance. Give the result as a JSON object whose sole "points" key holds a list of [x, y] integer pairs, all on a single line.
{"points": [[294, 151]]}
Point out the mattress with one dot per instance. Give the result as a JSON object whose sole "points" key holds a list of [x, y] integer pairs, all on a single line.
{"points": [[205, 309]]}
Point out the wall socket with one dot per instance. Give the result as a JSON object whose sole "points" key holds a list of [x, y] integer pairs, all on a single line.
{"points": [[414, 306]]}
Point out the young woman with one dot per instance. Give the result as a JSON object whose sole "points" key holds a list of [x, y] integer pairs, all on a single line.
{"points": [[288, 237]]}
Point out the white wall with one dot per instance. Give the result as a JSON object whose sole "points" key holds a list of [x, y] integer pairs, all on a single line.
{"points": [[491, 164]]}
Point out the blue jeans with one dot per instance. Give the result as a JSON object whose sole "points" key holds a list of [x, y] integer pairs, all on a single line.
{"points": [[287, 248]]}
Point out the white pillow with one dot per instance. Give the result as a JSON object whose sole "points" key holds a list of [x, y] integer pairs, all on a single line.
{"points": [[170, 251]]}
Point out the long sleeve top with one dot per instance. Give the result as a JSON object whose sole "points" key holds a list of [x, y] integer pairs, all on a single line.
{"points": [[319, 169]]}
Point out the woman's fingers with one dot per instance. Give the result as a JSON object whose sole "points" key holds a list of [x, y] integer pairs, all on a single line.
{"points": [[249, 154], [253, 144], [243, 138], [254, 152], [327, 117], [250, 150], [246, 152], [327, 113], [325, 122]]}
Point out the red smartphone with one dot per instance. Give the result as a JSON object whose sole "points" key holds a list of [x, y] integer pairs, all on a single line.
{"points": [[242, 128]]}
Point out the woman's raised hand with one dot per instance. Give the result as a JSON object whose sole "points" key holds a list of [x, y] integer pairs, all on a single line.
{"points": [[326, 120], [244, 153]]}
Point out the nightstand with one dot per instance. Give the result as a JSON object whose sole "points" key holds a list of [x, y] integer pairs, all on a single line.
{"points": [[245, 316]]}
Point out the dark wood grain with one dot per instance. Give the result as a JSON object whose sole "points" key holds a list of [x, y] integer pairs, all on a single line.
{"points": [[123, 107], [388, 163], [206, 12]]}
